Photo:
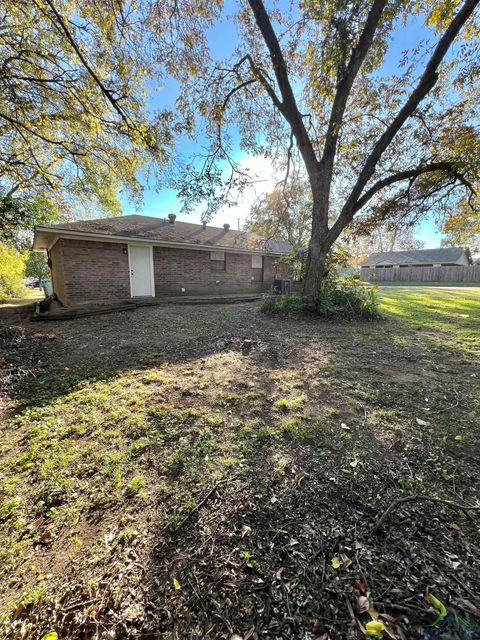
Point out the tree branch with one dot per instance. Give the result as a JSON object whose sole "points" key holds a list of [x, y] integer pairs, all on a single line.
{"points": [[288, 107], [345, 85], [448, 167], [63, 28], [426, 83]]}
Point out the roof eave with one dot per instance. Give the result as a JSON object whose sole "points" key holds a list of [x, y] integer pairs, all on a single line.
{"points": [[40, 241]]}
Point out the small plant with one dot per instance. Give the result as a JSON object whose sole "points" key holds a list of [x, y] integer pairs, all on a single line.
{"points": [[135, 486], [282, 404], [288, 303], [249, 561], [296, 428], [291, 404], [177, 461], [128, 535]]}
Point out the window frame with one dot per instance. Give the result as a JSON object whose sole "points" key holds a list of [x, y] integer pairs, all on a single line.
{"points": [[258, 272], [217, 263]]}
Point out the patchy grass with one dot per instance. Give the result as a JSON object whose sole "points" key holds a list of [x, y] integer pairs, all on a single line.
{"points": [[139, 458]]}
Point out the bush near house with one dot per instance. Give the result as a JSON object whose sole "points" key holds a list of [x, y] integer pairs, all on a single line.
{"points": [[12, 269], [345, 298]]}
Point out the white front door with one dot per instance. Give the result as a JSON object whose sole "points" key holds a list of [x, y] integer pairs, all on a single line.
{"points": [[141, 270]]}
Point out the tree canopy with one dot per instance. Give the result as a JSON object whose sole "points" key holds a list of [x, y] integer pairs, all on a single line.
{"points": [[311, 76], [74, 128]]}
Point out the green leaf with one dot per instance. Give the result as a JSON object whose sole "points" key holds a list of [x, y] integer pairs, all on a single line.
{"points": [[335, 562], [176, 585], [435, 602]]}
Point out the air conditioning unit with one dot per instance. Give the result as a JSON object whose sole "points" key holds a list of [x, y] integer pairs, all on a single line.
{"points": [[281, 285]]}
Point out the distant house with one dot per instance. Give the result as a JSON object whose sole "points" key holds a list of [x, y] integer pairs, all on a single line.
{"points": [[443, 257], [139, 256]]}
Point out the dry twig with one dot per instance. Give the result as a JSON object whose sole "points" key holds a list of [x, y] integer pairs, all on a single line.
{"points": [[398, 501]]}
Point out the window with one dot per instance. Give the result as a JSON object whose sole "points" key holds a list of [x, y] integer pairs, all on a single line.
{"points": [[217, 260], [257, 268]]}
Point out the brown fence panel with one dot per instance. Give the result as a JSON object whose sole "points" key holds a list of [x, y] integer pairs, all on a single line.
{"points": [[422, 274]]}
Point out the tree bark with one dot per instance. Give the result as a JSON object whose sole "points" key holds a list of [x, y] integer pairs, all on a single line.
{"points": [[319, 242]]}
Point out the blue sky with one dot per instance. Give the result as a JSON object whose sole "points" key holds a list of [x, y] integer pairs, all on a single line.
{"points": [[222, 38]]}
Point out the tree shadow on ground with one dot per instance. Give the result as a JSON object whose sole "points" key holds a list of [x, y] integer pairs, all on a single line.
{"points": [[306, 480]]}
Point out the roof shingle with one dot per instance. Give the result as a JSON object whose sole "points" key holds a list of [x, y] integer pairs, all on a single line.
{"points": [[419, 256], [162, 230]]}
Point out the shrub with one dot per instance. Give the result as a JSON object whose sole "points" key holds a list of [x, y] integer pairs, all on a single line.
{"points": [[348, 298], [12, 268], [281, 304]]}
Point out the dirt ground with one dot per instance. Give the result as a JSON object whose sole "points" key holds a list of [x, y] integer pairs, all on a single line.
{"points": [[221, 474]]}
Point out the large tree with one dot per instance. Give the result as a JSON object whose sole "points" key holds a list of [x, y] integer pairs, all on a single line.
{"points": [[74, 127], [312, 75]]}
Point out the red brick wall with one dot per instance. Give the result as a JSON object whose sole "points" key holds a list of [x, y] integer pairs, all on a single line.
{"points": [[84, 270], [94, 271], [181, 268]]}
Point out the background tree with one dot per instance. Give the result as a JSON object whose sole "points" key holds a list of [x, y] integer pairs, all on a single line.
{"points": [[310, 76], [74, 128], [284, 214], [382, 238], [18, 216], [12, 270], [36, 266], [462, 228]]}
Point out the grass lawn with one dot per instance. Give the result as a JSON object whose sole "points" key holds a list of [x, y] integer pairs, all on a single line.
{"points": [[31, 295], [209, 472]]}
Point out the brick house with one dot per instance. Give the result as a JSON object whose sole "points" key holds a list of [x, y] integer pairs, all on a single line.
{"points": [[139, 256]]}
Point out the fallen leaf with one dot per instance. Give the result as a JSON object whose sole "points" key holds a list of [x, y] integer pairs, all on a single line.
{"points": [[345, 560], [421, 423], [335, 562], [293, 542], [46, 536], [53, 635], [435, 602], [236, 637], [455, 526], [361, 586], [176, 585], [246, 530], [375, 628], [363, 604]]}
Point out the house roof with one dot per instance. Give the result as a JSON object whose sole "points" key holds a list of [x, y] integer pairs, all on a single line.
{"points": [[419, 256], [159, 231]]}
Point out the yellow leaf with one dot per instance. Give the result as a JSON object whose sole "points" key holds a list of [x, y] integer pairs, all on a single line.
{"points": [[53, 635], [176, 585], [335, 562], [375, 628]]}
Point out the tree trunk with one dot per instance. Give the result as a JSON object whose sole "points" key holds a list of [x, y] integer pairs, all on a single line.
{"points": [[314, 273], [319, 242]]}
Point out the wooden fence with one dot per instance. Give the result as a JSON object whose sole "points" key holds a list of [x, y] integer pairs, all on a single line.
{"points": [[422, 274]]}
